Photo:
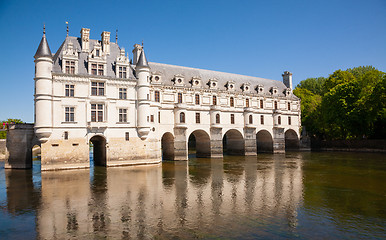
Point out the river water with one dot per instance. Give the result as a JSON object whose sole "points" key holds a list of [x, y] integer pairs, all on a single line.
{"points": [[327, 195]]}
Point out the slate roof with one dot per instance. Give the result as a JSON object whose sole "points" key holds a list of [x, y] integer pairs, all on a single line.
{"points": [[166, 71], [43, 49]]}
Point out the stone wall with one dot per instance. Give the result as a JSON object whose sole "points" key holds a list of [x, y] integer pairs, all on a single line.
{"points": [[361, 145], [2, 149]]}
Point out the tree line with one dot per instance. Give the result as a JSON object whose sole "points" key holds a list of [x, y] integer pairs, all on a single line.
{"points": [[4, 126], [349, 104]]}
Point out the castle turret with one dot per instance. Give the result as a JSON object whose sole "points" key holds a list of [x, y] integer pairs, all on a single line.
{"points": [[43, 90], [142, 70], [287, 79], [136, 53]]}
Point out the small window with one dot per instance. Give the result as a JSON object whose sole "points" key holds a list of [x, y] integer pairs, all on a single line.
{"points": [[198, 118], [279, 120], [159, 117], [217, 118], [262, 120], [122, 72], [182, 117], [289, 120], [127, 136], [247, 102], [214, 100], [122, 93], [70, 67], [197, 99], [179, 98], [232, 102], [65, 135], [69, 114], [261, 104], [151, 118], [122, 115], [232, 119], [289, 106], [69, 90], [275, 105], [250, 119], [97, 53], [156, 96], [97, 88]]}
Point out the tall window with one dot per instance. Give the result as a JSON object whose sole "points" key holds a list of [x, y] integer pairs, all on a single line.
{"points": [[217, 118], [159, 117], [214, 100], [70, 67], [97, 69], [279, 120], [182, 117], [232, 102], [69, 114], [197, 99], [127, 136], [275, 105], [123, 115], [96, 112], [151, 118], [97, 53], [69, 90], [122, 73], [289, 106], [156, 96], [247, 102], [232, 119], [261, 104], [97, 88], [122, 93], [65, 135], [262, 119], [198, 118], [289, 120], [179, 98], [250, 119]]}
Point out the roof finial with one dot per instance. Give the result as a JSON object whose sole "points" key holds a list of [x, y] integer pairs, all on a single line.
{"points": [[67, 28], [116, 36], [44, 28], [142, 42]]}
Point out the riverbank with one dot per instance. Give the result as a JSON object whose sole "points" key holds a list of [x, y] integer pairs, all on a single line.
{"points": [[362, 145], [2, 149]]}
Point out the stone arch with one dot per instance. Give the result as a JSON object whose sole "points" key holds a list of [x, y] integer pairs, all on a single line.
{"points": [[233, 143], [291, 140], [167, 146], [99, 150], [199, 141], [264, 142]]}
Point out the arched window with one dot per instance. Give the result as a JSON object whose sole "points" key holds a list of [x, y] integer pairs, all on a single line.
{"points": [[214, 100], [156, 96], [247, 102], [289, 120], [279, 120], [182, 117], [250, 119], [232, 102], [262, 119], [179, 97], [217, 118], [261, 104], [275, 105]]}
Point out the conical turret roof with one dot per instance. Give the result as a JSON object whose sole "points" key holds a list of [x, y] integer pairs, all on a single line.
{"points": [[142, 61], [43, 49]]}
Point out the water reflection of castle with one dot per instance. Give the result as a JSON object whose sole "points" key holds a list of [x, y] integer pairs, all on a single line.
{"points": [[134, 201]]}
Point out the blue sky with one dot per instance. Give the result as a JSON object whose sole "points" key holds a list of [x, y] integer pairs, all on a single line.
{"points": [[256, 38]]}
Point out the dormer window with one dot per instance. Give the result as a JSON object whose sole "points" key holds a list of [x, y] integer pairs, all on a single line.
{"points": [[260, 89], [230, 86], [70, 60], [178, 80], [287, 91], [70, 67], [122, 72], [274, 90], [246, 87], [212, 83], [97, 69], [97, 52], [195, 82]]}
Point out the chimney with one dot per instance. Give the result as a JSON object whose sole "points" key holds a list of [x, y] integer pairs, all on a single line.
{"points": [[136, 53], [85, 37], [106, 42], [287, 79]]}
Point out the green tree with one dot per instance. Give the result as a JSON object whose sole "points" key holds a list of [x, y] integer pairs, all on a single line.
{"points": [[315, 85], [3, 134]]}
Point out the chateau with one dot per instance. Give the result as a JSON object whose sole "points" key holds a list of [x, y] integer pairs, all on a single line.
{"points": [[131, 111]]}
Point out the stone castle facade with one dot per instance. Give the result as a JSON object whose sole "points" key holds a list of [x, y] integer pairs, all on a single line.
{"points": [[140, 112]]}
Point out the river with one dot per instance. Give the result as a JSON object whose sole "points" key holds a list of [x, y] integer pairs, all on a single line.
{"points": [[299, 195]]}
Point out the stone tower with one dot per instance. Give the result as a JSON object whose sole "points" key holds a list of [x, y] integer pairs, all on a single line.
{"points": [[43, 90]]}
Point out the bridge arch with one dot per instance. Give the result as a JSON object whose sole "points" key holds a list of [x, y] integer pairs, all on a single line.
{"points": [[233, 142], [199, 141], [291, 140], [264, 142], [167, 146], [99, 150]]}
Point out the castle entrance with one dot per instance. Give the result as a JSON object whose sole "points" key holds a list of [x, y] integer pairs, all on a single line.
{"points": [[98, 150]]}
